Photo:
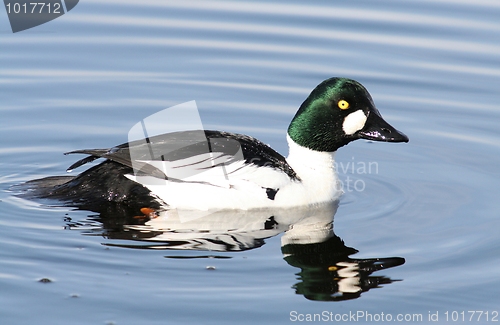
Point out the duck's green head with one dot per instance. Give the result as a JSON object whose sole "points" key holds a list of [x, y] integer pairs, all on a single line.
{"points": [[338, 111]]}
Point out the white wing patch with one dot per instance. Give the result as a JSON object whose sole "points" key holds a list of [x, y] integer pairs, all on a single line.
{"points": [[233, 185], [191, 166], [354, 122]]}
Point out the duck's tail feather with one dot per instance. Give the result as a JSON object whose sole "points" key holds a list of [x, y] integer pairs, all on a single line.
{"points": [[93, 155], [92, 189]]}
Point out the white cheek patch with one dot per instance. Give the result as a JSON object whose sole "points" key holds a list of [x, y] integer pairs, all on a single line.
{"points": [[354, 122]]}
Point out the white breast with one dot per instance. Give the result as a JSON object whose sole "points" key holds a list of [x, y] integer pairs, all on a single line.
{"points": [[316, 169]]}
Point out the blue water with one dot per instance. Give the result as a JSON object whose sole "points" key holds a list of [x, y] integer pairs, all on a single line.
{"points": [[84, 79]]}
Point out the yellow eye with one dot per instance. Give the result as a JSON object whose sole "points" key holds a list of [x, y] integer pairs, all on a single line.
{"points": [[343, 104]]}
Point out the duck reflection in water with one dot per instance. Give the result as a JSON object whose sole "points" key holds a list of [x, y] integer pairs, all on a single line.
{"points": [[327, 272], [308, 242]]}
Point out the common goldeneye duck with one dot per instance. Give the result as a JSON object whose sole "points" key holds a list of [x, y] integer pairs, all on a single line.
{"points": [[232, 171]]}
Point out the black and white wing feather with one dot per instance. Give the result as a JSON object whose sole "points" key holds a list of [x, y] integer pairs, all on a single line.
{"points": [[183, 152]]}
